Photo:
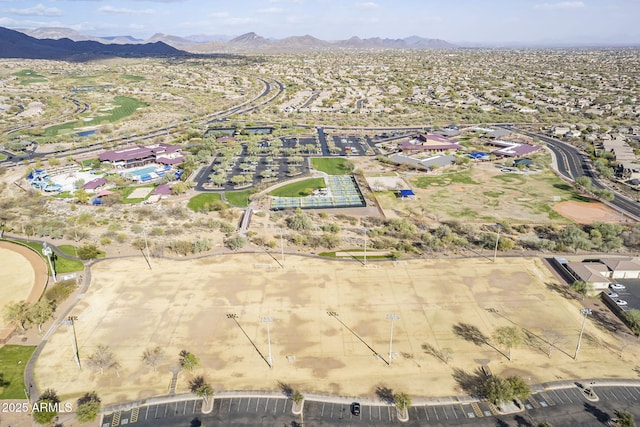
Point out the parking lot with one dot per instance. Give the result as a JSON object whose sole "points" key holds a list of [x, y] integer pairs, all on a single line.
{"points": [[631, 294], [258, 410]]}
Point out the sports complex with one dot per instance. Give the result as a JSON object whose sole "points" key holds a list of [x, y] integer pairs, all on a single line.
{"points": [[322, 326]]}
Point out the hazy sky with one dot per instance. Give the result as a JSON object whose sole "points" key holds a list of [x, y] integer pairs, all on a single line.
{"points": [[498, 21]]}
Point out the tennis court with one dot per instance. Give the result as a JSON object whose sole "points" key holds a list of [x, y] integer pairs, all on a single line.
{"points": [[344, 193]]}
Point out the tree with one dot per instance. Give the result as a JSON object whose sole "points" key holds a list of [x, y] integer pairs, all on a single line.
{"points": [[188, 361], [402, 401], [299, 221], [103, 359], [88, 251], [297, 397], [583, 183], [40, 312], [633, 319], [235, 242], [200, 387], [153, 357], [81, 195], [496, 390], [46, 408], [508, 336], [625, 419], [88, 407], [519, 388], [17, 313], [581, 287]]}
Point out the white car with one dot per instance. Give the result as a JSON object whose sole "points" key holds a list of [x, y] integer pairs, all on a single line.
{"points": [[612, 295], [617, 287], [621, 302]]}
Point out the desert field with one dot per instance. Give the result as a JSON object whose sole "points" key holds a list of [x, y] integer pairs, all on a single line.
{"points": [[485, 194], [329, 330]]}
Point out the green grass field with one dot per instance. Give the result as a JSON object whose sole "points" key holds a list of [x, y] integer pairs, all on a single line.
{"points": [[238, 198], [3, 157], [122, 107], [60, 263], [13, 359], [300, 188], [332, 166], [133, 78], [69, 250], [445, 179], [197, 203]]}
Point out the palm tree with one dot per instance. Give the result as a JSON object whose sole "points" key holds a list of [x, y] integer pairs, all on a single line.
{"points": [[200, 387]]}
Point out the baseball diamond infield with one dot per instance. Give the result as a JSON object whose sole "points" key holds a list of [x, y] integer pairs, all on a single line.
{"points": [[23, 277], [329, 319]]}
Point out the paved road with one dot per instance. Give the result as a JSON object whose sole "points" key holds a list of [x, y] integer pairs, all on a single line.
{"points": [[561, 407], [572, 163]]}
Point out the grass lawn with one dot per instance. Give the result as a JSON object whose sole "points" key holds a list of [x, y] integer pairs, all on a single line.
{"points": [[332, 166], [69, 250], [13, 359], [3, 157], [60, 263], [238, 198], [198, 202], [300, 188], [445, 179], [122, 106]]}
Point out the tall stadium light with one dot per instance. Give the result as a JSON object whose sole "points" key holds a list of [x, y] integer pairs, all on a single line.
{"points": [[365, 246], [391, 317], [74, 341], [147, 246], [585, 312], [46, 251], [495, 250], [281, 231], [268, 321]]}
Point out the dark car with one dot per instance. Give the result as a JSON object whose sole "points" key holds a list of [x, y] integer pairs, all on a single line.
{"points": [[355, 409]]}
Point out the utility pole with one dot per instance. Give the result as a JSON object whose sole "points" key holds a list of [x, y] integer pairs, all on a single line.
{"points": [[365, 246], [495, 250]]}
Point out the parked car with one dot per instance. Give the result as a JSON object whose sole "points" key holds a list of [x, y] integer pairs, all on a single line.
{"points": [[617, 287], [355, 409], [621, 302], [612, 294]]}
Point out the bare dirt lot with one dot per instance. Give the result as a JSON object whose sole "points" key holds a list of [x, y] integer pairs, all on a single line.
{"points": [[586, 213], [20, 270], [185, 305]]}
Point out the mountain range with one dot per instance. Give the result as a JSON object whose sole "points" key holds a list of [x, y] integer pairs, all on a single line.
{"points": [[250, 42], [14, 44]]}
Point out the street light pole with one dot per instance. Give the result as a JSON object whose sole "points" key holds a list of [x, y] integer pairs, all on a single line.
{"points": [[495, 249], [391, 317], [282, 246], [365, 246], [46, 251], [585, 312], [76, 355], [268, 320]]}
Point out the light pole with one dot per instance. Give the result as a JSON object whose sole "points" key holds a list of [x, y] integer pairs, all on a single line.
{"points": [[585, 312], [495, 250], [147, 246], [76, 355], [268, 320], [391, 317], [365, 246], [281, 231], [46, 251]]}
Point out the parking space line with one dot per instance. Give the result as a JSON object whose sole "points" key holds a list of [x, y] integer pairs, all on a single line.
{"points": [[417, 413], [257, 404], [577, 394], [230, 402], [275, 407], [389, 414], [453, 408], [146, 413], [436, 413], [266, 404], [426, 413], [613, 394], [156, 415], [630, 393], [567, 396], [557, 396], [166, 410], [331, 416]]}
